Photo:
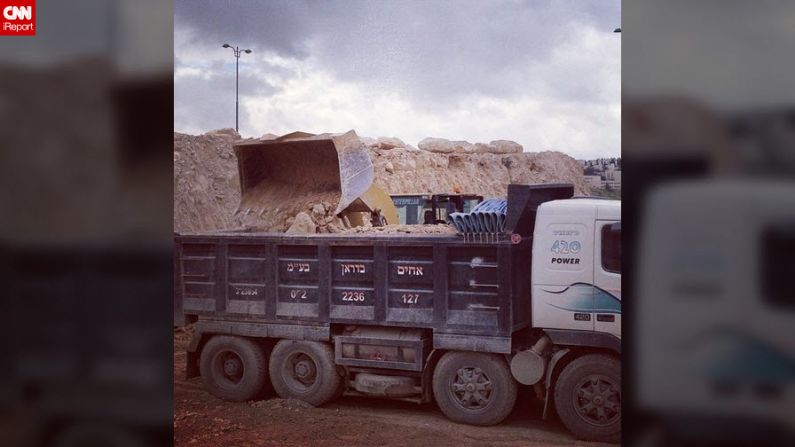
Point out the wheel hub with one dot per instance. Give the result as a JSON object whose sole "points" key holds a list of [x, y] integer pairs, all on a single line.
{"points": [[471, 388], [598, 400], [303, 369], [232, 367]]}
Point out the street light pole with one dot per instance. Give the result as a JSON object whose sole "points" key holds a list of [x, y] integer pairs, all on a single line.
{"points": [[237, 88], [237, 52]]}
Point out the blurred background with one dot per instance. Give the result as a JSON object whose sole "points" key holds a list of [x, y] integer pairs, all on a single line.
{"points": [[708, 133], [86, 108]]}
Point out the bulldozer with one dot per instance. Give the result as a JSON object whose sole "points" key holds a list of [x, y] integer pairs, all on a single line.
{"points": [[290, 173]]}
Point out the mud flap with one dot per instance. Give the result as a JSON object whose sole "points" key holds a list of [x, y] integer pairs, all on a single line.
{"points": [[548, 381], [193, 353]]}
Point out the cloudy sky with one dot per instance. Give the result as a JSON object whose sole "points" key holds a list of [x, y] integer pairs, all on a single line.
{"points": [[544, 73]]}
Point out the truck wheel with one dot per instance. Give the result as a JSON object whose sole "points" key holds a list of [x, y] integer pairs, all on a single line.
{"points": [[588, 397], [474, 388], [304, 370], [233, 368]]}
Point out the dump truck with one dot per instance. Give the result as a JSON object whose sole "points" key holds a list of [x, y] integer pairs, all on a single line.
{"points": [[460, 319]]}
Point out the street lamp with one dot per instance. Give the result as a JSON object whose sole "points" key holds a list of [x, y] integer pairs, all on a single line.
{"points": [[237, 51]]}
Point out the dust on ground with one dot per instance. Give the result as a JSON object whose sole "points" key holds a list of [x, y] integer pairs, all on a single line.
{"points": [[201, 419]]}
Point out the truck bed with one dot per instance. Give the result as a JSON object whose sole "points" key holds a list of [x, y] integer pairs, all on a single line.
{"points": [[469, 295]]}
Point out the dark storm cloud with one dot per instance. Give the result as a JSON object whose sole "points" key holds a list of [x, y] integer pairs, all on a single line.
{"points": [[278, 26], [441, 50], [206, 99], [424, 50]]}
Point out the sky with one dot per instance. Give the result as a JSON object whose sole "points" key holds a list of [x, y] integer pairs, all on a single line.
{"points": [[546, 74]]}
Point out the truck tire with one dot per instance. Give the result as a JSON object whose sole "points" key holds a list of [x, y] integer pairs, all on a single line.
{"points": [[588, 397], [474, 388], [233, 368], [305, 370]]}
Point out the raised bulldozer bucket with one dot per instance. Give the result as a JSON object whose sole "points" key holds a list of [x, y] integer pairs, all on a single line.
{"points": [[289, 174]]}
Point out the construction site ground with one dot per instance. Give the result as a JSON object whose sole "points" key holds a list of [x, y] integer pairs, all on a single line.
{"points": [[200, 419]]}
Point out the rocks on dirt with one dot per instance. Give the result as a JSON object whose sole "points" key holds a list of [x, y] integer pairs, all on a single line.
{"points": [[402, 171], [505, 147], [384, 143], [444, 146], [302, 224], [227, 131], [389, 143], [406, 229], [318, 211]]}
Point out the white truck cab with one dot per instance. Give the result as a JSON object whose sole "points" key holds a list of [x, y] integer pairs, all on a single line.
{"points": [[576, 283], [576, 310]]}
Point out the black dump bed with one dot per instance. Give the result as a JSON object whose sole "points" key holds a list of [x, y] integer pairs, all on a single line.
{"points": [[470, 294]]}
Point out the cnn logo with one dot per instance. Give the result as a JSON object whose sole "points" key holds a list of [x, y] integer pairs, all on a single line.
{"points": [[18, 18], [18, 12]]}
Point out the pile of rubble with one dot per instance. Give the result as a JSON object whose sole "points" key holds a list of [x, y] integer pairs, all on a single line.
{"points": [[444, 166], [206, 186], [402, 229], [207, 192]]}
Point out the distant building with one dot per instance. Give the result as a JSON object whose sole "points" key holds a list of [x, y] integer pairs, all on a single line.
{"points": [[602, 173], [594, 181]]}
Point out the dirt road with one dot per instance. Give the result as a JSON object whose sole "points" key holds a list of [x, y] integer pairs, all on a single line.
{"points": [[203, 420]]}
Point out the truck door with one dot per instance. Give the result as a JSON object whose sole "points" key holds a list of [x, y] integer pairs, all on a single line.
{"points": [[563, 273], [607, 277]]}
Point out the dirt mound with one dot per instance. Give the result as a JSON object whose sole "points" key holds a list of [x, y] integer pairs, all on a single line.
{"points": [[206, 186], [407, 171], [207, 191]]}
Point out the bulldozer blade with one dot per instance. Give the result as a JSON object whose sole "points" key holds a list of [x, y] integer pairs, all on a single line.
{"points": [[303, 168], [374, 199]]}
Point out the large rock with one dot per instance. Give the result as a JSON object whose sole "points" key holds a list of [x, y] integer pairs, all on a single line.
{"points": [[389, 143], [369, 142], [227, 132], [318, 212], [483, 148], [506, 147], [302, 224], [498, 147], [443, 146]]}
